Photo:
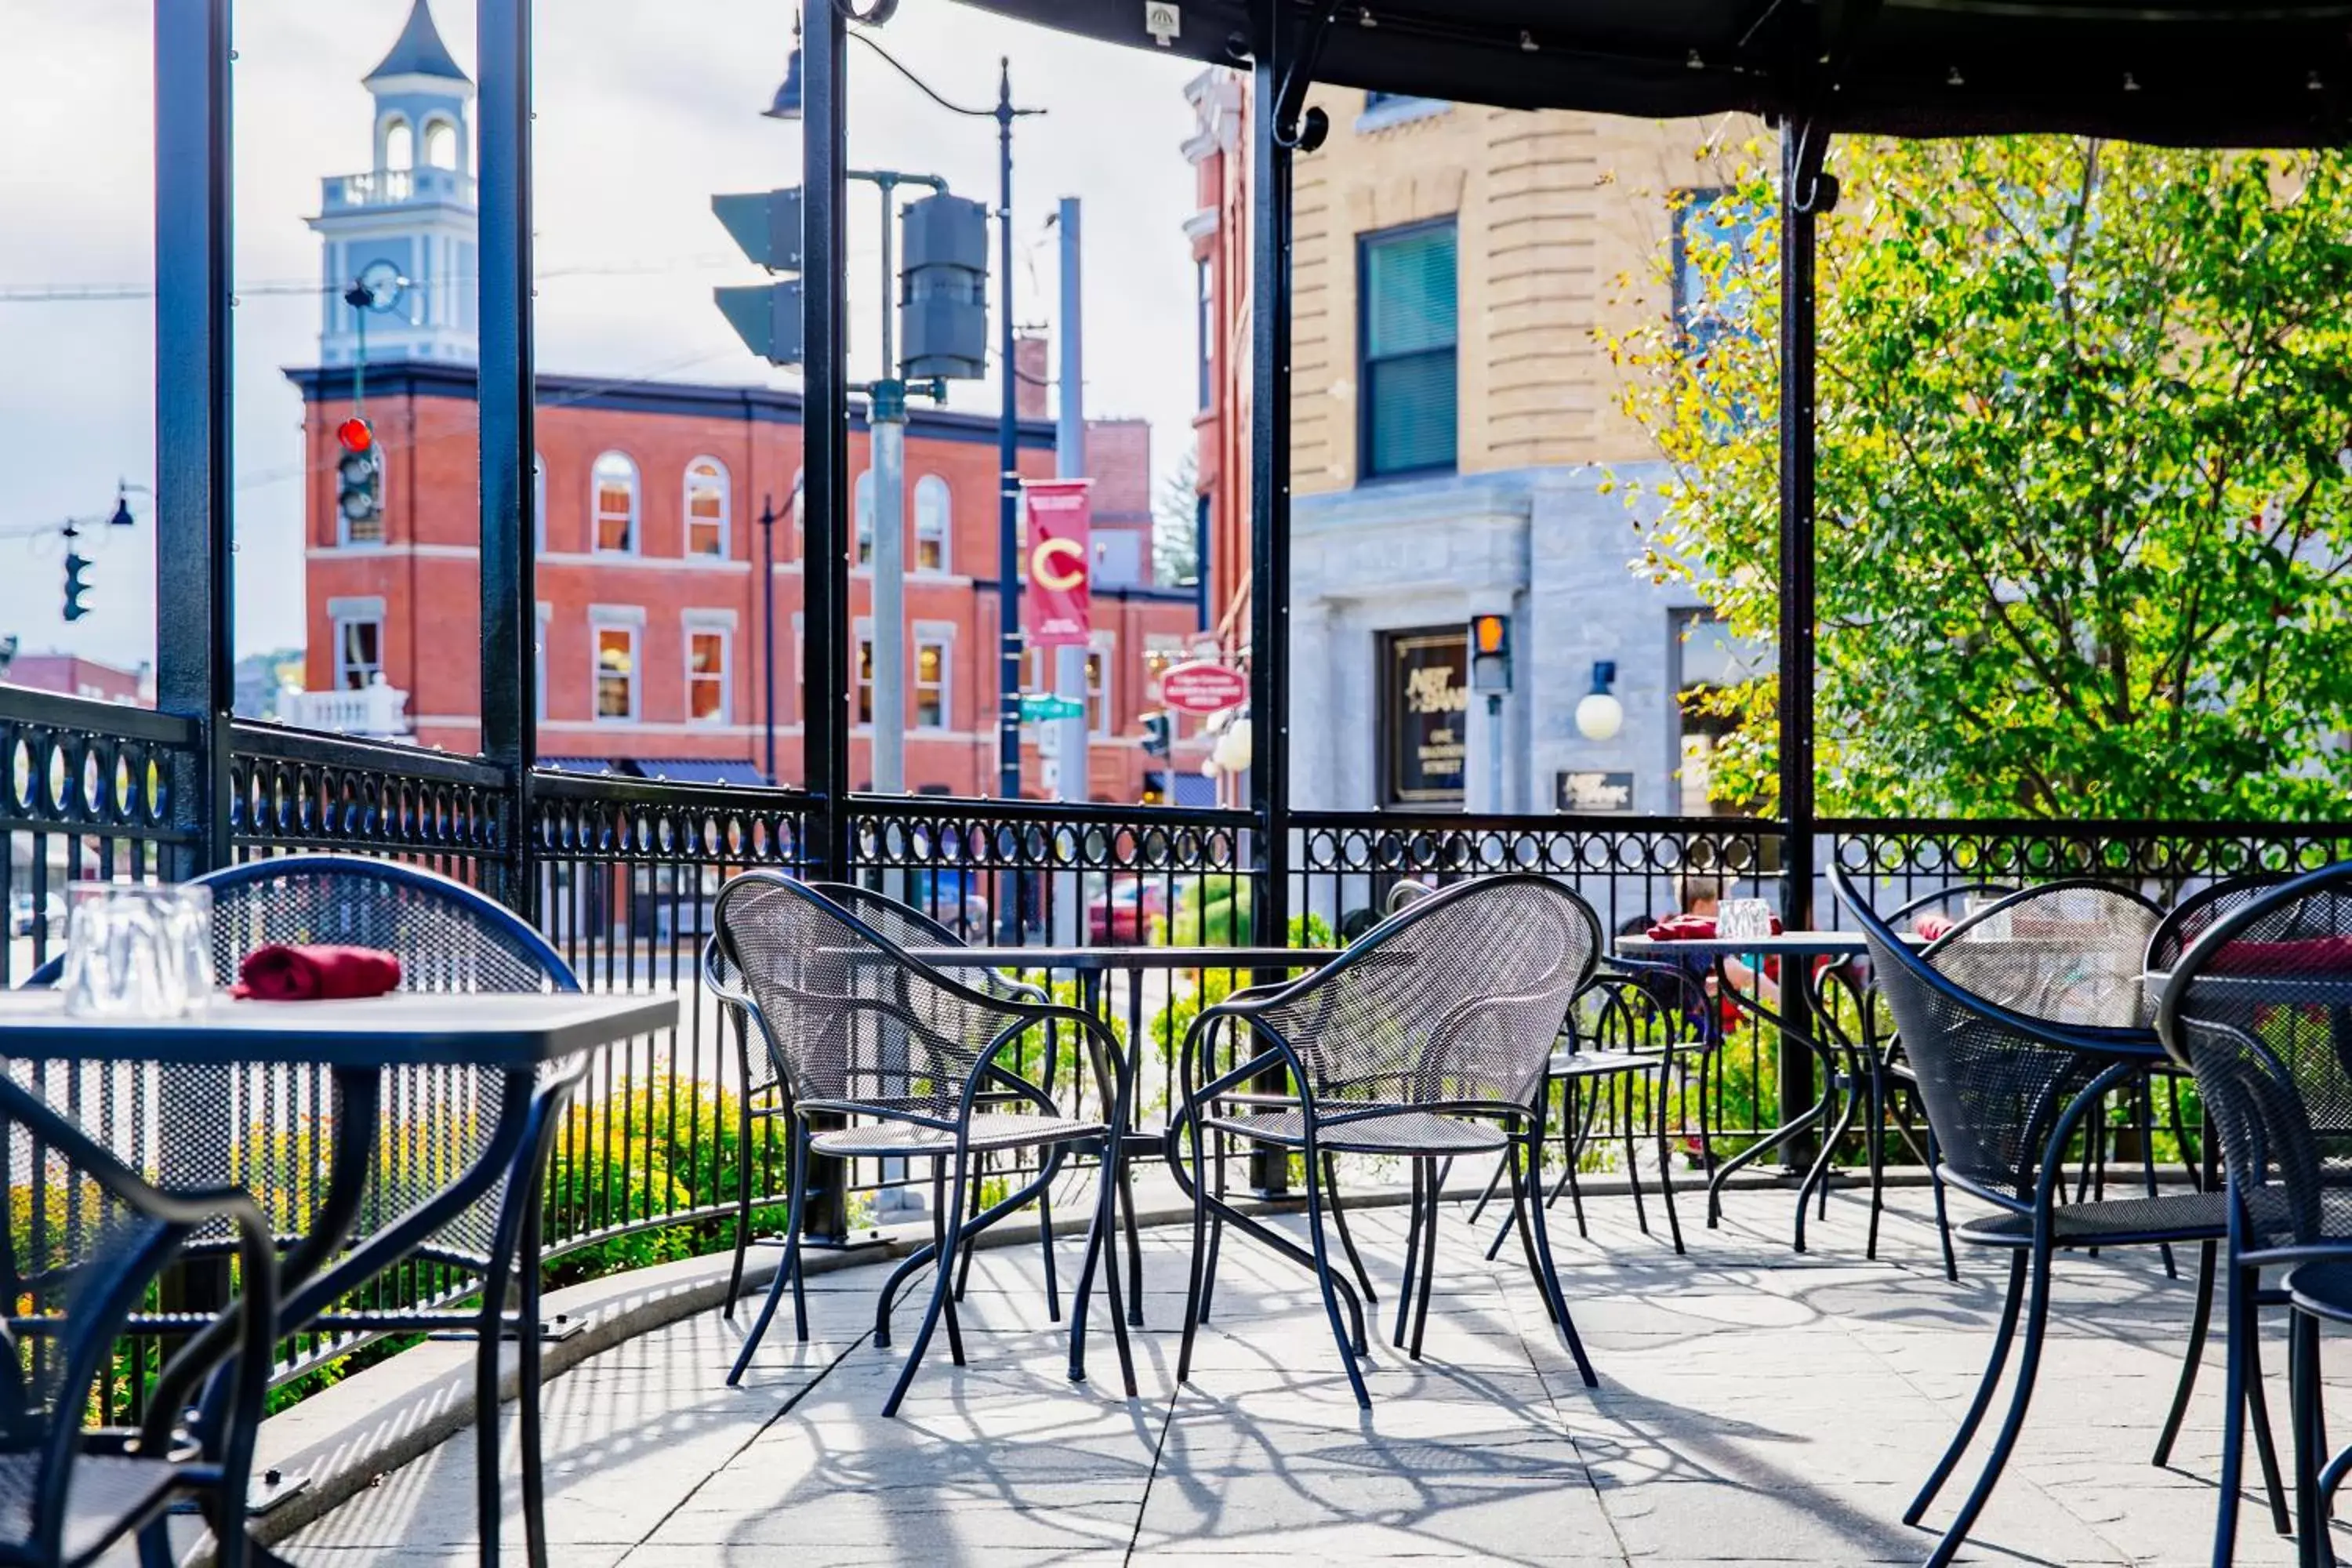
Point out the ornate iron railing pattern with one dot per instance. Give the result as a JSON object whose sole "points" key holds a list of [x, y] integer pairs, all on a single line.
{"points": [[290, 790]]}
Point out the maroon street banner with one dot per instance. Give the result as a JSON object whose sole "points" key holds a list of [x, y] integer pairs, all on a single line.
{"points": [[1059, 600], [1203, 688]]}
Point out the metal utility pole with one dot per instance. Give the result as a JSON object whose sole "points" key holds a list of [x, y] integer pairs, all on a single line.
{"points": [[887, 430], [1072, 772], [1008, 462]]}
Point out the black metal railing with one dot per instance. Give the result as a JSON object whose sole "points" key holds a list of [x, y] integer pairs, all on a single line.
{"points": [[621, 874]]}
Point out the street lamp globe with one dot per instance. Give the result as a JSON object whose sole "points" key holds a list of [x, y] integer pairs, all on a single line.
{"points": [[1599, 715]]}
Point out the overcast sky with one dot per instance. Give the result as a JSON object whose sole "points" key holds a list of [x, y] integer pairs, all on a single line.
{"points": [[645, 107]]}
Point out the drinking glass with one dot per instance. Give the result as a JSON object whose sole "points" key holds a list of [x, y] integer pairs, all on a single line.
{"points": [[137, 950], [1743, 920]]}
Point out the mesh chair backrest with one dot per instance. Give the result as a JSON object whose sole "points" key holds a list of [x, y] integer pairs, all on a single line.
{"points": [[853, 1020], [2260, 1006], [2197, 913], [908, 927], [719, 973], [1458, 1000], [1404, 895], [1989, 1081], [1951, 901], [2071, 952]]}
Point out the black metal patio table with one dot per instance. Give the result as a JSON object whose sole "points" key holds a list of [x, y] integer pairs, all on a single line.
{"points": [[356, 1042], [1798, 947], [1092, 965]]}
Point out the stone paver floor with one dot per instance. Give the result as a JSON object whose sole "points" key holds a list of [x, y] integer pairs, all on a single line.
{"points": [[1755, 1406]]}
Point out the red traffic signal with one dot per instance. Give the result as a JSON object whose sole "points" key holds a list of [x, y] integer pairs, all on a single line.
{"points": [[355, 435]]}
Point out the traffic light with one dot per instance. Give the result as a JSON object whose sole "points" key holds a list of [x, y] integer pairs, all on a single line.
{"points": [[1159, 732], [767, 317], [75, 586], [358, 478], [1155, 789], [1490, 654], [943, 299]]}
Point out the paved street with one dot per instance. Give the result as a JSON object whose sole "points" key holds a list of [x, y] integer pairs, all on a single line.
{"points": [[1755, 1407]]}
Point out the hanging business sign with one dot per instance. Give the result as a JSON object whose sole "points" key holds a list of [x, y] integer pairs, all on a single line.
{"points": [[1203, 688], [1595, 791], [1058, 603], [1424, 700]]}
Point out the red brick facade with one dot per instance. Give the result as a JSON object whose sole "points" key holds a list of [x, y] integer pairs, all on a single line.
{"points": [[652, 608]]}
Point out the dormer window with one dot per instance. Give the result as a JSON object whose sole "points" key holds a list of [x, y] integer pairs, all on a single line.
{"points": [[399, 145], [440, 144]]}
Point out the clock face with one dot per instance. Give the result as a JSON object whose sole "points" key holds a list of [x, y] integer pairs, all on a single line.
{"points": [[382, 283]]}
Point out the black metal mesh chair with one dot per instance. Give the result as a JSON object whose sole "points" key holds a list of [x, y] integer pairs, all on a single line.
{"points": [[765, 1096], [917, 1065], [2018, 1023], [86, 1241], [1429, 1039], [440, 1190], [2259, 1005]]}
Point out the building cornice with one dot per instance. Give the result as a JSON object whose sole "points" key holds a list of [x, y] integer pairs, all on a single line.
{"points": [[760, 405]]}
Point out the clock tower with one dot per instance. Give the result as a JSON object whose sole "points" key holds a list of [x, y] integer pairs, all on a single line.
{"points": [[405, 229]]}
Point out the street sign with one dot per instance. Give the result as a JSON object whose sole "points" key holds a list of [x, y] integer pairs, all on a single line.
{"points": [[1039, 706], [1583, 791], [1203, 688]]}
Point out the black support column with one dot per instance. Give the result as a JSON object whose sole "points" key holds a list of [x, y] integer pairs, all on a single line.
{"points": [[195, 585], [824, 428], [1802, 190], [1270, 258], [510, 600]]}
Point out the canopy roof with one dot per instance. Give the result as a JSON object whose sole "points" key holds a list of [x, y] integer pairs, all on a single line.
{"points": [[2194, 72]]}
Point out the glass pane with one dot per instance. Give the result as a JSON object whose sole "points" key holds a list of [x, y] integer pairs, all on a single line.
{"points": [[1413, 417], [1409, 292]]}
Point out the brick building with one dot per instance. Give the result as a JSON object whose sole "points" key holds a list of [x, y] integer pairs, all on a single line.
{"points": [[652, 637], [1454, 437]]}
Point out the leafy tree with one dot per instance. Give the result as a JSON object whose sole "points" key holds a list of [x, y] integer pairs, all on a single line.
{"points": [[1175, 544], [2084, 496]]}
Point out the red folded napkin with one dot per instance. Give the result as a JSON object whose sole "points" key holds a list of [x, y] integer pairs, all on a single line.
{"points": [[281, 974], [2314, 956], [1932, 926], [1684, 927]]}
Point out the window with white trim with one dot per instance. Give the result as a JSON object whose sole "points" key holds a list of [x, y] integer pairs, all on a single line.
{"points": [[706, 508], [930, 682], [359, 652], [613, 504], [707, 672], [1098, 703], [864, 711], [616, 673], [864, 508], [934, 517]]}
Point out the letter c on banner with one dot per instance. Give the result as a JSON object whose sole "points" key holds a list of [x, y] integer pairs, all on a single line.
{"points": [[1042, 564]]}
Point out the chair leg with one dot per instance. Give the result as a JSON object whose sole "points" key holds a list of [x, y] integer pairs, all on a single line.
{"points": [[951, 1214], [1874, 1151], [964, 1265], [1524, 1197], [1196, 1292], [2302, 1382], [2258, 1409], [1571, 1141], [943, 1257], [1541, 1243], [527, 1392], [1943, 1214], [2201, 1322], [1135, 1238], [1665, 1158], [488, 1505], [1413, 1221], [1045, 1254], [2003, 1333], [787, 1271], [1323, 1278], [742, 1199], [2029, 1365], [1632, 1160], [1102, 1245], [1339, 1223], [1493, 1185], [1428, 1260]]}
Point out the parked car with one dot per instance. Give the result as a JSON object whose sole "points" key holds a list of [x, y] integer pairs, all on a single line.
{"points": [[1125, 910]]}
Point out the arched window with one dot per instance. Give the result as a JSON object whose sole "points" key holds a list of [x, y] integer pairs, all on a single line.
{"points": [[399, 145], [613, 515], [932, 520], [440, 144], [706, 508], [865, 556]]}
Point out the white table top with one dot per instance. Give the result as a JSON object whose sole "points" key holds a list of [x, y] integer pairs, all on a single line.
{"points": [[404, 1029]]}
